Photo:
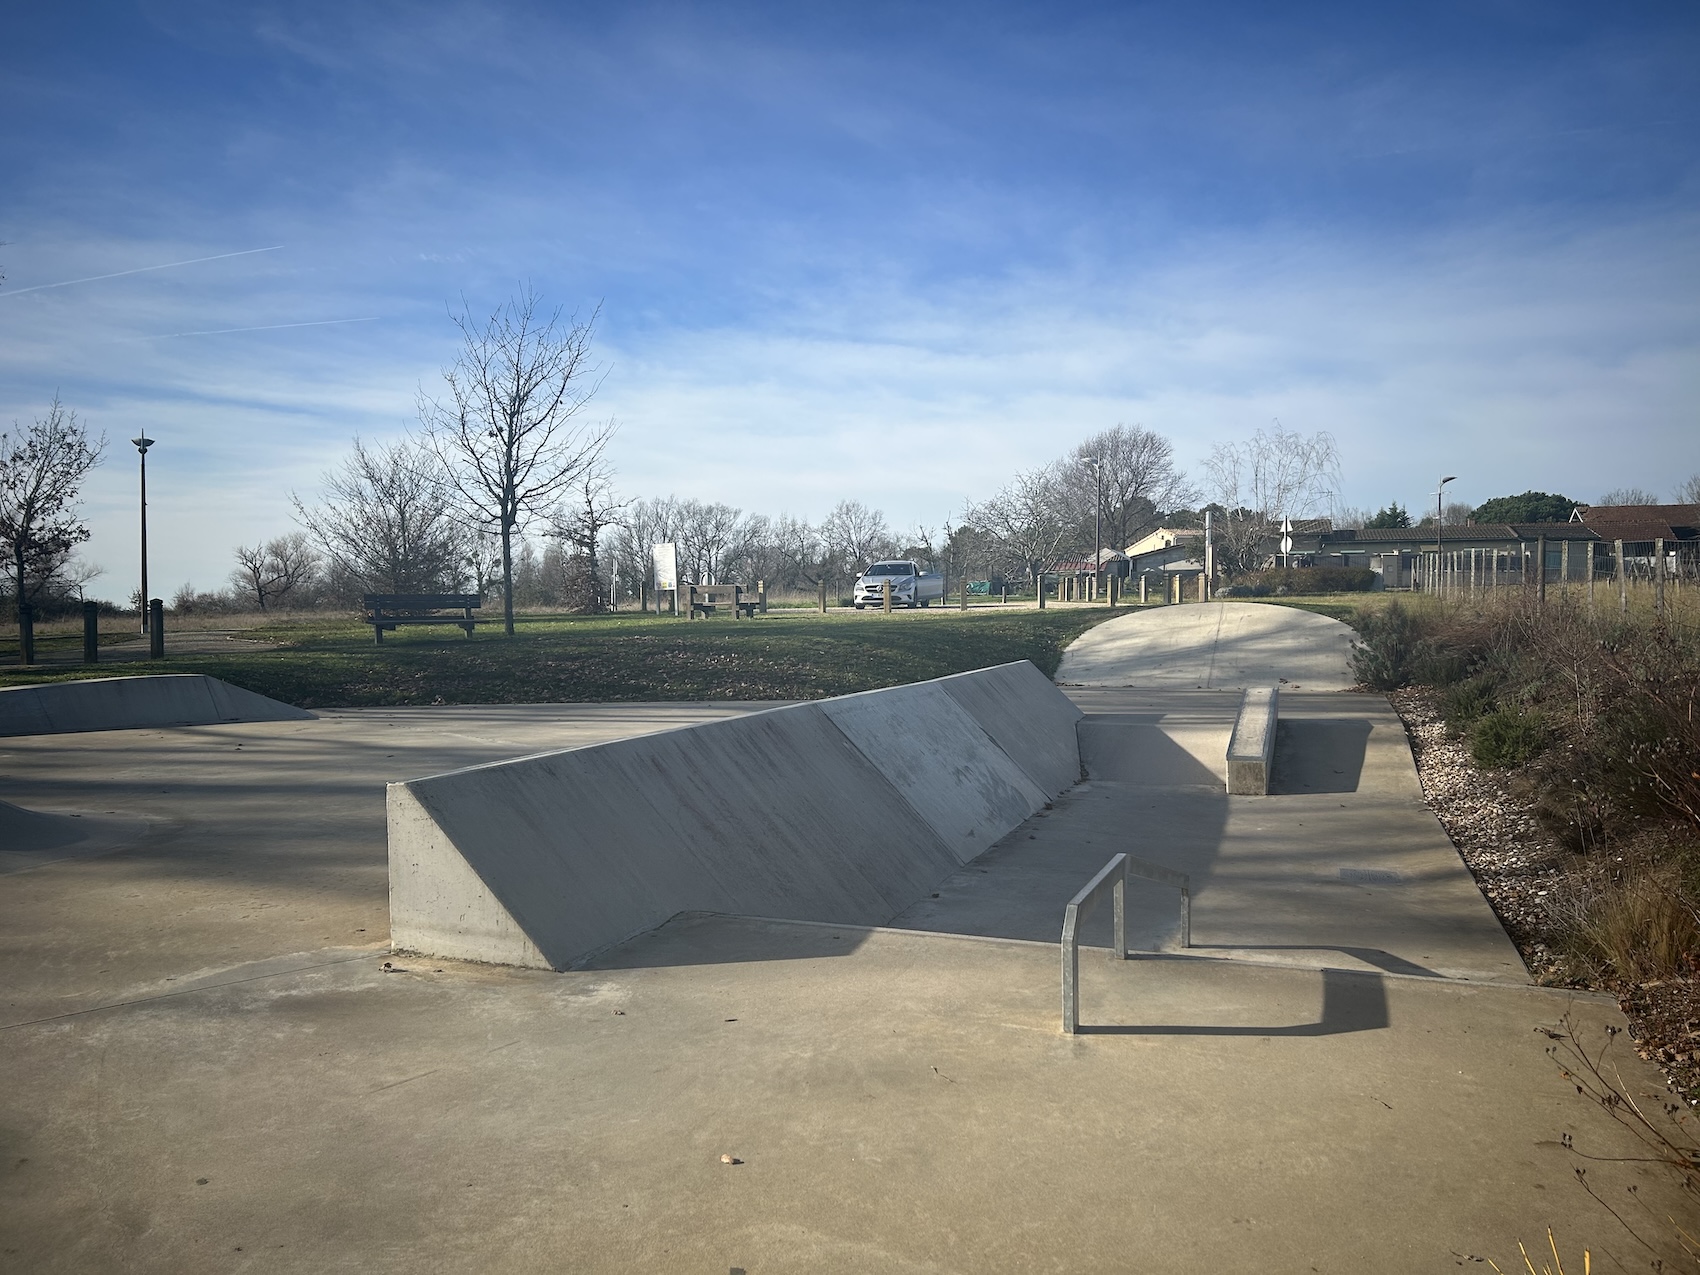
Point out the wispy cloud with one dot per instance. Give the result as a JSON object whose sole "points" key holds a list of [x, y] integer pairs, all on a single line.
{"points": [[119, 274]]}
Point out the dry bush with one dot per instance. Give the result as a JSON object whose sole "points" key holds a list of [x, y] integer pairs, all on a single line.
{"points": [[1636, 922]]}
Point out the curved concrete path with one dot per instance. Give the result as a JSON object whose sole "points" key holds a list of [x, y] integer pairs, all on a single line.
{"points": [[1214, 646]]}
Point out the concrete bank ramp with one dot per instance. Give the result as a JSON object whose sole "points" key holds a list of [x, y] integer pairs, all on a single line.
{"points": [[846, 810], [125, 703], [36, 838], [1214, 646]]}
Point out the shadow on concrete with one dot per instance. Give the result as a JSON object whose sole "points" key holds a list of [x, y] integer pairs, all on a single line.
{"points": [[1368, 955], [1350, 1003], [1319, 755]]}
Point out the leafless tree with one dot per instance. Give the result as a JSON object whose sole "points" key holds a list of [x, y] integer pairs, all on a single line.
{"points": [[1689, 492], [384, 521], [1034, 519], [582, 522], [511, 434], [270, 572], [1628, 496], [42, 468], [1274, 474], [853, 536], [1138, 479]]}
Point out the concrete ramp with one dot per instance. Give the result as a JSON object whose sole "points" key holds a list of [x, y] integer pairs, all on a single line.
{"points": [[126, 703], [36, 838], [1214, 646], [846, 810]]}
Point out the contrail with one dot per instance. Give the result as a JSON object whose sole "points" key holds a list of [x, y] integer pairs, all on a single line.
{"points": [[265, 327], [119, 274]]}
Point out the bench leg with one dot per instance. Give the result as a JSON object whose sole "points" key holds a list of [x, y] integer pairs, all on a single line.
{"points": [[378, 634]]}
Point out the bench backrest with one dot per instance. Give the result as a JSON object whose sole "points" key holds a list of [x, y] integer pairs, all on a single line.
{"points": [[420, 601]]}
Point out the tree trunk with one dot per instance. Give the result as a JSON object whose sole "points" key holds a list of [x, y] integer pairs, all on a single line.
{"points": [[508, 578], [18, 563]]}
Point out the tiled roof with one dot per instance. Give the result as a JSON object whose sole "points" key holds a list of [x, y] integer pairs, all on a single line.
{"points": [[1642, 522]]}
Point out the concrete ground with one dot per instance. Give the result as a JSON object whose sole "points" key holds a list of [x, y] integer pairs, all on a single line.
{"points": [[1213, 646], [208, 1066]]}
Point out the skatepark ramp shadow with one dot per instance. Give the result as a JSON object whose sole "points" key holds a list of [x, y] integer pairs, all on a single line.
{"points": [[845, 810]]}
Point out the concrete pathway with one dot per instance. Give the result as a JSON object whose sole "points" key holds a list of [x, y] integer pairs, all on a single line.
{"points": [[1213, 646], [1345, 867]]}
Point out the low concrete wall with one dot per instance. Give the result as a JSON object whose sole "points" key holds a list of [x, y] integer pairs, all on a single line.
{"points": [[124, 703], [844, 810], [1251, 748]]}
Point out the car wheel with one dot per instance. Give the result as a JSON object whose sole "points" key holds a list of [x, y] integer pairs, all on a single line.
{"points": [[858, 606]]}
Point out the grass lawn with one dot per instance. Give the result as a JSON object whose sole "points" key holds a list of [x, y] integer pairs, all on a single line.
{"points": [[332, 662]]}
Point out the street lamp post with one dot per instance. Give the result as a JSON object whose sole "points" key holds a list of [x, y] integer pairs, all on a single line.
{"points": [[1440, 528], [142, 444], [1095, 463]]}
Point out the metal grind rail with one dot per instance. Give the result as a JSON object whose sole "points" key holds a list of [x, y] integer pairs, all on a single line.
{"points": [[1111, 879]]}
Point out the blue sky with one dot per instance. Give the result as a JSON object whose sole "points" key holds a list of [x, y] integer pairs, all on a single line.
{"points": [[885, 252]]}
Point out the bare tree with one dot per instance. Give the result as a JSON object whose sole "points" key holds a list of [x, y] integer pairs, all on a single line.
{"points": [[1034, 519], [853, 536], [1689, 492], [1137, 477], [384, 521], [271, 571], [510, 434], [582, 521], [41, 474], [1273, 475], [1628, 496]]}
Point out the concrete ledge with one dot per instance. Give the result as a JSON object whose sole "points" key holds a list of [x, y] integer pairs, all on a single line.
{"points": [[1251, 748], [849, 810], [127, 703]]}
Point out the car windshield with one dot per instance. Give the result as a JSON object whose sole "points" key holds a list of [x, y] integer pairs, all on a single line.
{"points": [[891, 569]]}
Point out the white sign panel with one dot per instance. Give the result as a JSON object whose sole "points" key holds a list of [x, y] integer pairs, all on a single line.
{"points": [[666, 566]]}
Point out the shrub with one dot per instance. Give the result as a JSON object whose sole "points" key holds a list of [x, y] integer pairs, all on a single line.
{"points": [[1311, 580], [1465, 701], [1507, 737], [1390, 645]]}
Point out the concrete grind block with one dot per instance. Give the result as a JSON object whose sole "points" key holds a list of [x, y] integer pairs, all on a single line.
{"points": [[1251, 748]]}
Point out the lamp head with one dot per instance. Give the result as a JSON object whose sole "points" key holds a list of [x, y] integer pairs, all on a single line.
{"points": [[1452, 479], [142, 444]]}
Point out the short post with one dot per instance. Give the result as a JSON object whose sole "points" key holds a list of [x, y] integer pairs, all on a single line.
{"points": [[1659, 577], [1541, 570], [761, 596], [1622, 580], [885, 596], [1041, 590], [91, 633], [1563, 566], [1144, 587], [1003, 598], [964, 584], [823, 595], [1590, 575], [26, 633], [156, 629], [643, 596], [737, 598], [1114, 591]]}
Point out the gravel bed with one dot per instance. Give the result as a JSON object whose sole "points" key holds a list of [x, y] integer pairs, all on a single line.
{"points": [[1519, 868]]}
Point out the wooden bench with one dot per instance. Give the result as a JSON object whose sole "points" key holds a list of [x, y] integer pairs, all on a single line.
{"points": [[704, 598], [391, 610]]}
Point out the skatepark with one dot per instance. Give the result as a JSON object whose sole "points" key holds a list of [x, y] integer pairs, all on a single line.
{"points": [[764, 987]]}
